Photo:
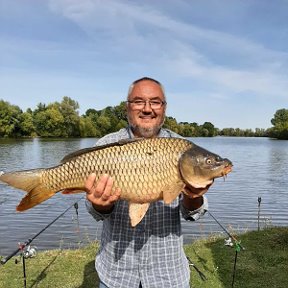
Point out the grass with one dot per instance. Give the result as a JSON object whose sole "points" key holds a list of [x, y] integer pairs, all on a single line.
{"points": [[264, 263], [53, 269]]}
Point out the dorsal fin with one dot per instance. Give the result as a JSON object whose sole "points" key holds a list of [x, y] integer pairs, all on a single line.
{"points": [[95, 148]]}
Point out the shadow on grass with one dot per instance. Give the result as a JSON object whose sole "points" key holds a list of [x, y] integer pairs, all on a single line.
{"points": [[202, 261], [90, 279], [263, 263], [224, 259], [43, 273]]}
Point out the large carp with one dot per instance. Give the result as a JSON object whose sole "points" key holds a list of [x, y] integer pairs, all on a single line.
{"points": [[145, 170]]}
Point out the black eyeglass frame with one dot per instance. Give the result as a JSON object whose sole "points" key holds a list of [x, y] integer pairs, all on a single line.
{"points": [[142, 103]]}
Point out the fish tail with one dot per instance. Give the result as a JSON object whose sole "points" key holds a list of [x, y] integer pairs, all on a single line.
{"points": [[29, 181]]}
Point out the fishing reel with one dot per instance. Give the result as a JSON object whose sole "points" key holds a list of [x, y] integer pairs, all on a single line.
{"points": [[228, 242], [27, 252], [30, 252]]}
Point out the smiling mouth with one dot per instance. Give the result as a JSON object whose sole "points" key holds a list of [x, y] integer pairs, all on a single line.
{"points": [[147, 117]]}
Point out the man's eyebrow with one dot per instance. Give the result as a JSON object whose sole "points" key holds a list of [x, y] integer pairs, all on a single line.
{"points": [[141, 98]]}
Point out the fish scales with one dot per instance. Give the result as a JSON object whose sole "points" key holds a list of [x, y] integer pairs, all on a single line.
{"points": [[145, 170], [133, 167]]}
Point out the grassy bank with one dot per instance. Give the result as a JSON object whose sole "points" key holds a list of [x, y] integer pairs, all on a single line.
{"points": [[264, 263]]}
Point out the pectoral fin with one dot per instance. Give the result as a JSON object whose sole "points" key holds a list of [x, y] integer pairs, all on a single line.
{"points": [[137, 211], [170, 193]]}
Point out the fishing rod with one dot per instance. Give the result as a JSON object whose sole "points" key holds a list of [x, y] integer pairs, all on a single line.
{"points": [[28, 242], [237, 244], [227, 232]]}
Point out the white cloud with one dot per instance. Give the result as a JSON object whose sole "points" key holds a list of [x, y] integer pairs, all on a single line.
{"points": [[116, 41], [146, 32]]}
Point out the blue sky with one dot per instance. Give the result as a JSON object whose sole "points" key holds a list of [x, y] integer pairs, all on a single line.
{"points": [[220, 61]]}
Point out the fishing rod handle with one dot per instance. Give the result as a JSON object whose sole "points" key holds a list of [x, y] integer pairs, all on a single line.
{"points": [[5, 259], [21, 248]]}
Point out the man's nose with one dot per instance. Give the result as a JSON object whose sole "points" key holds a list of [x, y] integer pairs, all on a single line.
{"points": [[147, 106]]}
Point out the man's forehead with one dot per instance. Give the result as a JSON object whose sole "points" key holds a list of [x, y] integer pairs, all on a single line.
{"points": [[147, 88]]}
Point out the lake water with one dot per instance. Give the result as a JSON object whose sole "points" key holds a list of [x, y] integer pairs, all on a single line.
{"points": [[260, 170]]}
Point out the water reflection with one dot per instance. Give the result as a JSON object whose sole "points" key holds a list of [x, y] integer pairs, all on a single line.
{"points": [[260, 167]]}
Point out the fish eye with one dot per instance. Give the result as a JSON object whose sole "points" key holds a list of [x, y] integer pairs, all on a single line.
{"points": [[209, 161]]}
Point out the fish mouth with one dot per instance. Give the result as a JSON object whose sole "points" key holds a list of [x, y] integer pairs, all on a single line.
{"points": [[227, 169]]}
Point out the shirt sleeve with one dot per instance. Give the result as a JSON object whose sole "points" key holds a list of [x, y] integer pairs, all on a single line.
{"points": [[194, 215], [95, 214]]}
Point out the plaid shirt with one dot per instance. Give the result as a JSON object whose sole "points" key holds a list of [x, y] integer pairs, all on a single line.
{"points": [[152, 252]]}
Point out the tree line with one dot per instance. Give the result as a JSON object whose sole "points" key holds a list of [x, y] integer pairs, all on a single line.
{"points": [[63, 120]]}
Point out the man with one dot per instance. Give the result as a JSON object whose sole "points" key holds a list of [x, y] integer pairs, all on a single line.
{"points": [[151, 254]]}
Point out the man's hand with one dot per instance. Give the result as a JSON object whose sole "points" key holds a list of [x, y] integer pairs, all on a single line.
{"points": [[192, 197], [100, 193], [192, 192]]}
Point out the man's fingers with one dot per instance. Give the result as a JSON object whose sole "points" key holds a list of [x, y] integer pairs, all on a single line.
{"points": [[90, 183], [107, 190], [100, 192], [116, 195], [193, 192], [101, 186], [107, 187]]}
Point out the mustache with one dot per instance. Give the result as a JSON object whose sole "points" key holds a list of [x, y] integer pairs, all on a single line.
{"points": [[150, 113]]}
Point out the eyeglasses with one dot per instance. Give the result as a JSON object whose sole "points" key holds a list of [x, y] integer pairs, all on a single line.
{"points": [[140, 104]]}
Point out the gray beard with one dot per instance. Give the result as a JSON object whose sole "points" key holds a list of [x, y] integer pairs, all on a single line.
{"points": [[145, 132]]}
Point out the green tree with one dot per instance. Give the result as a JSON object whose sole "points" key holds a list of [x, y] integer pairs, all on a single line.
{"points": [[40, 107], [121, 112], [10, 119], [109, 126], [280, 118], [50, 123], [228, 132], [109, 119], [187, 129], [280, 122], [208, 129], [171, 123], [104, 124], [26, 124], [88, 128], [121, 124], [69, 110], [63, 120]]}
